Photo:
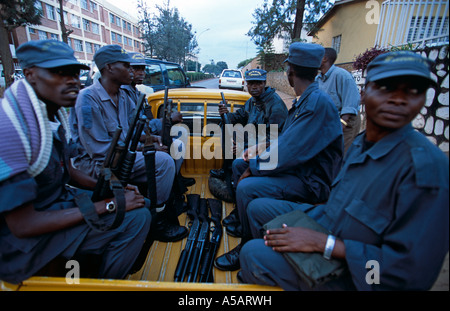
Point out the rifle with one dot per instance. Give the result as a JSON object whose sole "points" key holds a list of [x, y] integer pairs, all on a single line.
{"points": [[126, 153], [114, 174], [166, 119], [202, 240], [216, 216], [185, 257], [107, 186]]}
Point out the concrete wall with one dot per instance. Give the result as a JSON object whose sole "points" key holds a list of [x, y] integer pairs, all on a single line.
{"points": [[433, 119]]}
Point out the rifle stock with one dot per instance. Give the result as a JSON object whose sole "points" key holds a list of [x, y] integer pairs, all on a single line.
{"points": [[102, 188], [207, 263], [187, 253], [202, 240]]}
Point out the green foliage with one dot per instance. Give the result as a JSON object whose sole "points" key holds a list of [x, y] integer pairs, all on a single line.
{"points": [[16, 13], [244, 63], [13, 14], [167, 34], [215, 69], [361, 61], [197, 76], [278, 18]]}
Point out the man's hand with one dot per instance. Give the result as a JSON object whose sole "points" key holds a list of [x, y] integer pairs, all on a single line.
{"points": [[223, 109], [177, 117], [253, 151], [295, 239], [247, 173]]}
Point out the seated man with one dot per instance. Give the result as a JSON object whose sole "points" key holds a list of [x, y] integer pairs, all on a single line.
{"points": [[39, 219], [155, 125], [264, 107], [389, 203], [308, 152], [99, 110]]}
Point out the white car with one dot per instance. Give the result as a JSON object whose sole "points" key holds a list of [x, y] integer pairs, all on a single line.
{"points": [[231, 79]]}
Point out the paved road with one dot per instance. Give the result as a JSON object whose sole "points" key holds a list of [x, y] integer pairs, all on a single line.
{"points": [[209, 84]]}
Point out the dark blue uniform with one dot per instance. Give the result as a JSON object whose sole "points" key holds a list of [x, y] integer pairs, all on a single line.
{"points": [[20, 258], [389, 203], [308, 156]]}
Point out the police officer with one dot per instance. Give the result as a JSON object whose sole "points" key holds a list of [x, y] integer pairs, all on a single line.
{"points": [[389, 203], [39, 217], [308, 151], [99, 109]]}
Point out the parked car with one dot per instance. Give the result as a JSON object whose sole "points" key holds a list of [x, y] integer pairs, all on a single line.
{"points": [[159, 74], [231, 79], [18, 74]]}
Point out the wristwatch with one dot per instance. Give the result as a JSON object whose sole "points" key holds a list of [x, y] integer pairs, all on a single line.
{"points": [[110, 206], [329, 246]]}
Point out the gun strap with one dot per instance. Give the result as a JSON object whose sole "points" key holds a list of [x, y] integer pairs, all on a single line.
{"points": [[91, 217], [150, 167]]}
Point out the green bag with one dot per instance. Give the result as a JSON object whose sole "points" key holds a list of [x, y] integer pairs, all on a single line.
{"points": [[312, 268]]}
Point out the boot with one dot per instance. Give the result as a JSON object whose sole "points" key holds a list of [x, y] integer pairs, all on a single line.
{"points": [[166, 227]]}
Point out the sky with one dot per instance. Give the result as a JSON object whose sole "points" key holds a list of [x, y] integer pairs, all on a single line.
{"points": [[227, 20]]}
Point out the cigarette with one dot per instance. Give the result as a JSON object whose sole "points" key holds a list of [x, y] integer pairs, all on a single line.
{"points": [[343, 122]]}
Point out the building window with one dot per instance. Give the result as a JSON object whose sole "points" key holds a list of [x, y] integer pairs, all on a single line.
{"points": [[54, 36], [119, 38], [111, 18], [113, 36], [75, 21], [42, 35], [73, 2], [89, 47], [93, 6], [32, 30], [50, 12], [84, 4], [419, 28], [86, 25], [38, 5], [95, 28], [96, 47], [78, 45], [118, 21], [336, 43]]}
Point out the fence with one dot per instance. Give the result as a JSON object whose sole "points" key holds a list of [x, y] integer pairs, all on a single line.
{"points": [[416, 22]]}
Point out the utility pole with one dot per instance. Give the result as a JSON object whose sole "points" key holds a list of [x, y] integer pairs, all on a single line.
{"points": [[196, 64]]}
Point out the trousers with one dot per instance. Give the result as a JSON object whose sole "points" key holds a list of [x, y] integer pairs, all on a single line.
{"points": [[282, 187], [119, 247]]}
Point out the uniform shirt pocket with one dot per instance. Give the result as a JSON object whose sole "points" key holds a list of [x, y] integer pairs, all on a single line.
{"points": [[365, 223]]}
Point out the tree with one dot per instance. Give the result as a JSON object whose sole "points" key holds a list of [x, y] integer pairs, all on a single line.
{"points": [[64, 31], [167, 35], [285, 16], [215, 69], [13, 14], [147, 24]]}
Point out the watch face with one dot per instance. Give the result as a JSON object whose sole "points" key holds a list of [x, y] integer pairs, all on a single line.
{"points": [[110, 206]]}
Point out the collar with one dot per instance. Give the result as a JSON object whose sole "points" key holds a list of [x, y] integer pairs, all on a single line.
{"points": [[324, 77], [104, 96], [299, 99], [385, 145]]}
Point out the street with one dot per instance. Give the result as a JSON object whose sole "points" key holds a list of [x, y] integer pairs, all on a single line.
{"points": [[209, 84]]}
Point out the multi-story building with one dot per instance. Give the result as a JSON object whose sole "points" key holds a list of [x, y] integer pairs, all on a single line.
{"points": [[94, 23]]}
